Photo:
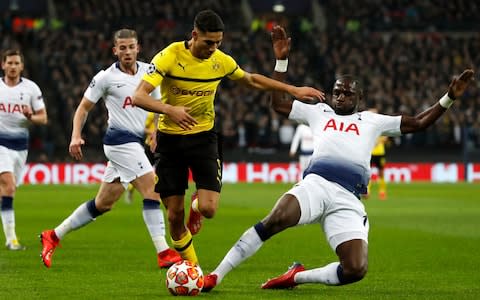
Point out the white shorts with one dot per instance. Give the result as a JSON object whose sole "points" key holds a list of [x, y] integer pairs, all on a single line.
{"points": [[127, 162], [304, 160], [13, 161], [341, 214]]}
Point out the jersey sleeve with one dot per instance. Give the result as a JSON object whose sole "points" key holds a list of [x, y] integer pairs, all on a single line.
{"points": [[96, 89], [234, 72], [391, 125], [302, 112], [159, 67], [37, 102]]}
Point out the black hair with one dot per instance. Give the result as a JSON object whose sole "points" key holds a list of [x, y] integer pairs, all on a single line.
{"points": [[352, 78], [208, 21], [356, 80]]}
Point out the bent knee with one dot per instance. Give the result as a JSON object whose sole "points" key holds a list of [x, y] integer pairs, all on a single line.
{"points": [[208, 212], [9, 190], [354, 272]]}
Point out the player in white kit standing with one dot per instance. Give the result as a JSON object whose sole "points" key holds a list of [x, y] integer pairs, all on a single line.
{"points": [[21, 103], [123, 146], [329, 193], [303, 143]]}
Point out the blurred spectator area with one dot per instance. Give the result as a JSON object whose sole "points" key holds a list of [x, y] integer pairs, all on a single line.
{"points": [[404, 52]]}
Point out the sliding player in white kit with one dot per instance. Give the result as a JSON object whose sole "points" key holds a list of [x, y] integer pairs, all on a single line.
{"points": [[123, 146], [303, 143], [21, 103], [338, 174]]}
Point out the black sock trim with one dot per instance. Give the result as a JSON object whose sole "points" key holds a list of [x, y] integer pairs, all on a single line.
{"points": [[262, 231], [342, 278], [150, 204], [92, 209], [184, 247], [340, 274], [7, 203]]}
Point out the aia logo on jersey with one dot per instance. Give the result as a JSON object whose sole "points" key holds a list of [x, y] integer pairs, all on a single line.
{"points": [[11, 108], [128, 102], [341, 126]]}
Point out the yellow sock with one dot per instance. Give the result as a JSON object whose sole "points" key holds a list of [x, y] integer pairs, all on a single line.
{"points": [[184, 246], [382, 185], [369, 186]]}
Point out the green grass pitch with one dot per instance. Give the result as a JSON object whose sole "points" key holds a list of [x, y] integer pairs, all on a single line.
{"points": [[424, 244]]}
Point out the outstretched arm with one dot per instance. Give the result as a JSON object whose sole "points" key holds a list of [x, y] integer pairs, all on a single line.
{"points": [[265, 83], [277, 82], [281, 48], [426, 118]]}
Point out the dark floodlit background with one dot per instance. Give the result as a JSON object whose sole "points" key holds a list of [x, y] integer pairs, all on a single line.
{"points": [[405, 52]]}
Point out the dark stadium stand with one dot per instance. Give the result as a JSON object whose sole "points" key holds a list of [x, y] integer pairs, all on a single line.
{"points": [[404, 52]]}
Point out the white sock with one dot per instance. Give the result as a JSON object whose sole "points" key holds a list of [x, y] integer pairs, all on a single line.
{"points": [[326, 275], [80, 217], [156, 227], [8, 222], [246, 246]]}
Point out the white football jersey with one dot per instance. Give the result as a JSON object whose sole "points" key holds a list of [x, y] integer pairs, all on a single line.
{"points": [[302, 138], [126, 122], [13, 124], [343, 144]]}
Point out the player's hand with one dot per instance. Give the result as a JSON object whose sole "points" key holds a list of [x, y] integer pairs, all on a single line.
{"points": [[75, 148], [459, 84], [280, 41], [307, 93], [180, 115], [27, 112]]}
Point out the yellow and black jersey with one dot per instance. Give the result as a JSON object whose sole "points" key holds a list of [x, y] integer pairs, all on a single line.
{"points": [[379, 148], [185, 80]]}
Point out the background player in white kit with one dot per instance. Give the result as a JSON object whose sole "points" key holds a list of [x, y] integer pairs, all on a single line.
{"points": [[21, 103], [303, 143], [123, 146], [338, 174]]}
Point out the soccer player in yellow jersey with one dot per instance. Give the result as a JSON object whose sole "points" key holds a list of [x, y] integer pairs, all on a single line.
{"points": [[378, 159], [188, 74]]}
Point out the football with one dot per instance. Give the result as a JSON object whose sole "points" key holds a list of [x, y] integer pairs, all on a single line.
{"points": [[184, 278]]}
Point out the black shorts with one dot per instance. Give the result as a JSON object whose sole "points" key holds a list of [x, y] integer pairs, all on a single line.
{"points": [[177, 154], [150, 154], [378, 161]]}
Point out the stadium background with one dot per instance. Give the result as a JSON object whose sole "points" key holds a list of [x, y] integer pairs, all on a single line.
{"points": [[423, 241], [404, 51]]}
